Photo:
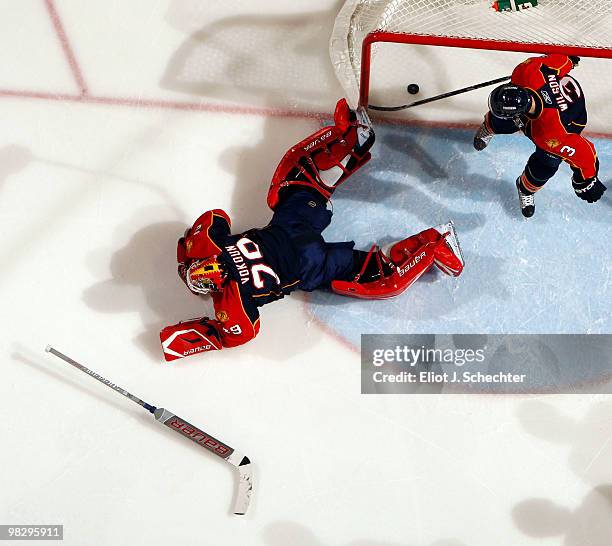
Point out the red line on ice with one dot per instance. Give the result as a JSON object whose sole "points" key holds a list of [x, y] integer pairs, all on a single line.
{"points": [[66, 47], [164, 104]]}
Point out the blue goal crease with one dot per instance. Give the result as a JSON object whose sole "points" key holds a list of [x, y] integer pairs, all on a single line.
{"points": [[548, 274]]}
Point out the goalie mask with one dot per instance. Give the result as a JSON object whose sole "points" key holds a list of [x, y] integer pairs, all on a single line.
{"points": [[204, 276], [509, 101]]}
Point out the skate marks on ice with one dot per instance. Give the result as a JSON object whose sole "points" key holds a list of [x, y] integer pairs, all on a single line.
{"points": [[289, 533], [393, 191], [446, 171], [588, 444], [549, 274], [237, 59]]}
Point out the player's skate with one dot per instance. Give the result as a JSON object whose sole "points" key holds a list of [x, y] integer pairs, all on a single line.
{"points": [[527, 201], [385, 274], [483, 136]]}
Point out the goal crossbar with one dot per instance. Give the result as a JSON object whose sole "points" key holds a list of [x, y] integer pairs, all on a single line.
{"points": [[467, 43]]}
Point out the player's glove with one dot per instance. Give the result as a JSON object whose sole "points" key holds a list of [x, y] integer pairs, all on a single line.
{"points": [[189, 338], [575, 60], [589, 190]]}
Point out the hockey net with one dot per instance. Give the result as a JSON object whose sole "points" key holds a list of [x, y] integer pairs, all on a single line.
{"points": [[365, 29]]}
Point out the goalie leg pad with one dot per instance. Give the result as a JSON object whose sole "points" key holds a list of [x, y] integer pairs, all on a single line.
{"points": [[403, 263], [448, 256], [393, 278], [189, 338], [326, 158]]}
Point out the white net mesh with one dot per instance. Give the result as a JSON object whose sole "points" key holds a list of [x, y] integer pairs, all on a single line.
{"points": [[578, 23]]}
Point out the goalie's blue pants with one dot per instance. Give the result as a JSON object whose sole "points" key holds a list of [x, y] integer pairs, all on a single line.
{"points": [[303, 215]]}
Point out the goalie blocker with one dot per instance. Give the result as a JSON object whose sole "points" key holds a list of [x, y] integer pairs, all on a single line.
{"points": [[188, 338]]}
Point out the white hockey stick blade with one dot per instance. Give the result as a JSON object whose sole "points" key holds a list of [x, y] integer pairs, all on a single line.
{"points": [[245, 485], [235, 458]]}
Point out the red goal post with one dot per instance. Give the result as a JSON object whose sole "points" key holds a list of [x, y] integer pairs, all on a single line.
{"points": [[571, 27]]}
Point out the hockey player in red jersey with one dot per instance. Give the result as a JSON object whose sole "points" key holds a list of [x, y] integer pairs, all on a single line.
{"points": [[548, 105], [245, 271]]}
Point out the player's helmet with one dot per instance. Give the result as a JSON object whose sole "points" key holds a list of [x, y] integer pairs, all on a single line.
{"points": [[509, 101], [204, 276]]}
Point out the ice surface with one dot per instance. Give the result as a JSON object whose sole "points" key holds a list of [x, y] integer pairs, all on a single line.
{"points": [[93, 194]]}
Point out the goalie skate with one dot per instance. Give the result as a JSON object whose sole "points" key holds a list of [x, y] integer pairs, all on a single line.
{"points": [[449, 257]]}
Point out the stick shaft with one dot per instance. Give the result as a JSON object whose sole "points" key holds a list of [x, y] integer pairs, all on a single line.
{"points": [[459, 91], [440, 97], [101, 379]]}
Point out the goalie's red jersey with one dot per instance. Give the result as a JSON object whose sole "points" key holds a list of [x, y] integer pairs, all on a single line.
{"points": [[261, 268], [560, 114]]}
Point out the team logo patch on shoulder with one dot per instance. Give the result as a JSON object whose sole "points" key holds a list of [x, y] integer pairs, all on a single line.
{"points": [[188, 245], [222, 316], [552, 143]]}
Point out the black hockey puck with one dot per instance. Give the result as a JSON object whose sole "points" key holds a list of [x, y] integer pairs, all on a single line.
{"points": [[413, 89]]}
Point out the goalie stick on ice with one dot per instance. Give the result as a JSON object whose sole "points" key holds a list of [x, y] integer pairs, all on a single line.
{"points": [[172, 421]]}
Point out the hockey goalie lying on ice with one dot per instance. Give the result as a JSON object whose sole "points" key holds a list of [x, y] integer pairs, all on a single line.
{"points": [[245, 271]]}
